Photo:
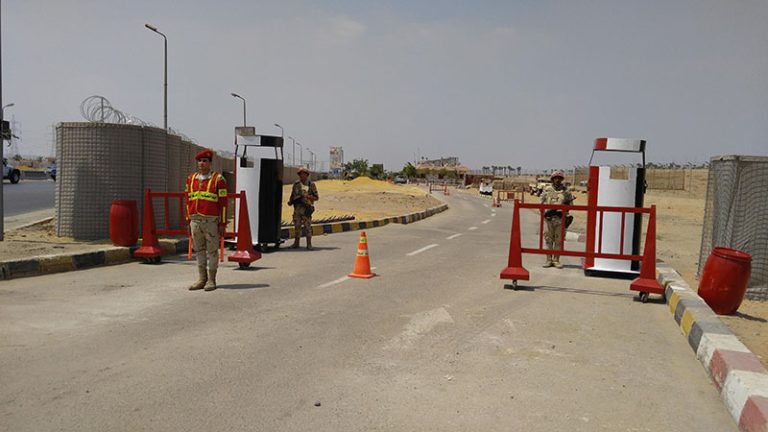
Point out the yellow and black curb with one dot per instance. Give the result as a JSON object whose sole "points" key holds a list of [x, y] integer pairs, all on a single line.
{"points": [[736, 372], [110, 255]]}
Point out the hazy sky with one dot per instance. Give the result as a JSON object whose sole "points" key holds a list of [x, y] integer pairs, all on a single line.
{"points": [[527, 83]]}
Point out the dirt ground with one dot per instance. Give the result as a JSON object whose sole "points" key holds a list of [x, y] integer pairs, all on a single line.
{"points": [[680, 217]]}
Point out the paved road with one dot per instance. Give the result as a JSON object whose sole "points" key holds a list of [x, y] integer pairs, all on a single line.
{"points": [[433, 342], [27, 196]]}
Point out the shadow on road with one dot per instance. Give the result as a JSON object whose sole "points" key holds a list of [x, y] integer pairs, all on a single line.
{"points": [[243, 286], [578, 291]]}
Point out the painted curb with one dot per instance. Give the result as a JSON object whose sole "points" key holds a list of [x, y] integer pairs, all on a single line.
{"points": [[111, 255], [736, 372]]}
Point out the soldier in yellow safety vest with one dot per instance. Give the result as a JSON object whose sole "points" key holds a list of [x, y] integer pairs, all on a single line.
{"points": [[207, 217]]}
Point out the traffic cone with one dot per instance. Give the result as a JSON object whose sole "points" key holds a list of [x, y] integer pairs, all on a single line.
{"points": [[362, 262], [150, 247], [647, 282], [245, 254]]}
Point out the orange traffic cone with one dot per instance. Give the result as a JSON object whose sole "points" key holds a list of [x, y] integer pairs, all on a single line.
{"points": [[362, 262]]}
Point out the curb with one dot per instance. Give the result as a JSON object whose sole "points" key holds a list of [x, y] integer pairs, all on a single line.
{"points": [[111, 255], [737, 373]]}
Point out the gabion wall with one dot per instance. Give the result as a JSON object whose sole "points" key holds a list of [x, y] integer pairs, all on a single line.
{"points": [[736, 214], [101, 162]]}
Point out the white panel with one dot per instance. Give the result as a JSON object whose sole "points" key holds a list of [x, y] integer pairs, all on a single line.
{"points": [[615, 193], [248, 179], [625, 144]]}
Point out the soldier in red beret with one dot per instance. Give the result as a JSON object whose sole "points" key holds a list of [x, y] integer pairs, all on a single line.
{"points": [[207, 217]]}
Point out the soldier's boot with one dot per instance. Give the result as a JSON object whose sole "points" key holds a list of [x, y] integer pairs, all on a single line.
{"points": [[556, 261], [201, 279], [295, 244], [549, 262], [211, 285], [309, 243]]}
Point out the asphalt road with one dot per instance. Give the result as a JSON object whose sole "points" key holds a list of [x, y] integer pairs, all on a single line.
{"points": [[434, 342], [27, 196]]}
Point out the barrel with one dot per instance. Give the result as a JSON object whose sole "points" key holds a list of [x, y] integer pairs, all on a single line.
{"points": [[724, 279], [124, 223]]}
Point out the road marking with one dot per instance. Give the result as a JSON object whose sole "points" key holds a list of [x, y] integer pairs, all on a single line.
{"points": [[485, 221], [472, 228], [339, 280], [421, 250], [493, 214], [453, 236]]}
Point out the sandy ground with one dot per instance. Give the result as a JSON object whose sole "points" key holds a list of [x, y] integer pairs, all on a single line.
{"points": [[680, 217]]}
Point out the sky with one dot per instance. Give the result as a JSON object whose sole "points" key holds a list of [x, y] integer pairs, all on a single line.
{"points": [[512, 83]]}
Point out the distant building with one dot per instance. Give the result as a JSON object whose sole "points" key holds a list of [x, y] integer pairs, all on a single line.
{"points": [[337, 158]]}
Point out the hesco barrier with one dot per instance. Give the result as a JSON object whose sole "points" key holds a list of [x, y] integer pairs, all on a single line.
{"points": [[736, 214], [101, 162]]}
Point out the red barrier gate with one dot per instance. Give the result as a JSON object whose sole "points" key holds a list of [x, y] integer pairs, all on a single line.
{"points": [[646, 282], [511, 195], [439, 187], [150, 248]]}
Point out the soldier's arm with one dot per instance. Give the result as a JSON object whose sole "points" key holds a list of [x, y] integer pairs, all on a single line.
{"points": [[313, 192]]}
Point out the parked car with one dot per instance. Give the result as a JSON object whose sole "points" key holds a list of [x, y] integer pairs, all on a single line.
{"points": [[400, 180], [51, 171], [10, 172]]}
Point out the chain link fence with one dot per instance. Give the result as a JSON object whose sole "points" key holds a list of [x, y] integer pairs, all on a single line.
{"points": [[736, 215]]}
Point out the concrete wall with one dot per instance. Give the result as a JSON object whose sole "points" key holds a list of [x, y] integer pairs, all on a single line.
{"points": [[100, 162]]}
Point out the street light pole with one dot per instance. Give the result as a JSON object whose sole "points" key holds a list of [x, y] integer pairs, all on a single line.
{"points": [[311, 158], [282, 132], [2, 118], [301, 153], [165, 74], [243, 99], [293, 156]]}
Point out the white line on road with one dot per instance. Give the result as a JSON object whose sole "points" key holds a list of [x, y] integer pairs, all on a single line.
{"points": [[339, 280], [485, 221], [453, 236], [472, 228], [493, 214], [421, 250]]}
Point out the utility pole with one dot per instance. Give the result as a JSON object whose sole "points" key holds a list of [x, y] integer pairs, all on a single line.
{"points": [[2, 142]]}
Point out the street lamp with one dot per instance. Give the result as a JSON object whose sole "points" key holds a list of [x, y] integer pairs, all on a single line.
{"points": [[282, 132], [311, 158], [301, 153], [293, 158], [243, 99], [165, 74]]}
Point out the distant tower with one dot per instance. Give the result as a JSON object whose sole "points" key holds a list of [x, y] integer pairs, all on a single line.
{"points": [[337, 158]]}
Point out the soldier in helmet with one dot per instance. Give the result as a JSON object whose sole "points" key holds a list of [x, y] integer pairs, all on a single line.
{"points": [[303, 196], [207, 216], [556, 193]]}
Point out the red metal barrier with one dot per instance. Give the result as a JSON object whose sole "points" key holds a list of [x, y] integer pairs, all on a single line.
{"points": [[511, 195], [150, 249], [646, 282], [439, 188]]}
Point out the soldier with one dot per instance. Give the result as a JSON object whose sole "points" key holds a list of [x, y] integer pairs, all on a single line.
{"points": [[207, 217], [556, 193], [303, 196]]}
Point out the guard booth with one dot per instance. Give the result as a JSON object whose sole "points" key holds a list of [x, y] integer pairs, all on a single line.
{"points": [[259, 172], [616, 185]]}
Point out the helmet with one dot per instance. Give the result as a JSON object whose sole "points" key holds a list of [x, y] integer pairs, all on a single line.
{"points": [[302, 170], [557, 174]]}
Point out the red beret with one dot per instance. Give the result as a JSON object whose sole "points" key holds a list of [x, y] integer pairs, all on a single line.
{"points": [[204, 154]]}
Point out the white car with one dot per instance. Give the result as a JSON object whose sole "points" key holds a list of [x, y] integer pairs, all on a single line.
{"points": [[10, 172]]}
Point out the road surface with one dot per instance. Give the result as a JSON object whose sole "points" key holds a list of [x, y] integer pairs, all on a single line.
{"points": [[433, 343], [27, 196]]}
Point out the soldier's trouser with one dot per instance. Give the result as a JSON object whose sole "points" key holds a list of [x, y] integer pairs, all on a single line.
{"points": [[553, 235], [300, 220], [205, 241]]}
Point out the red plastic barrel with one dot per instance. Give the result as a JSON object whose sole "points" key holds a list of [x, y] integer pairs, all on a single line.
{"points": [[124, 223], [724, 279]]}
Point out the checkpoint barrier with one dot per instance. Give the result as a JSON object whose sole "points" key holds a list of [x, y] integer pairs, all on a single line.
{"points": [[151, 251], [510, 195], [439, 188], [645, 283]]}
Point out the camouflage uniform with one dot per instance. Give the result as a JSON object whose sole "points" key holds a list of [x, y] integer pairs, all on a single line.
{"points": [[553, 236], [301, 204]]}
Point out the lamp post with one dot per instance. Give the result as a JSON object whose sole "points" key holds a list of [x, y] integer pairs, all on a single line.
{"points": [[165, 74], [311, 159], [243, 99], [301, 153], [282, 131], [293, 155]]}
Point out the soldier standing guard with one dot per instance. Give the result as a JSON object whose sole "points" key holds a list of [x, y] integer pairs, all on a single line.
{"points": [[556, 193], [303, 196], [207, 217]]}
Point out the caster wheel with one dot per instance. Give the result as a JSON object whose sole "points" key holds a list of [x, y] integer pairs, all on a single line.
{"points": [[243, 266], [644, 297]]}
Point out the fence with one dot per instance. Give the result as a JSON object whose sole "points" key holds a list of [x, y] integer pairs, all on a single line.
{"points": [[736, 214]]}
